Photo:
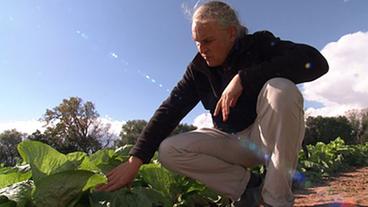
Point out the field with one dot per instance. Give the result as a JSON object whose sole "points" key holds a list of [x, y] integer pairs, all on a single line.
{"points": [[346, 189], [47, 177]]}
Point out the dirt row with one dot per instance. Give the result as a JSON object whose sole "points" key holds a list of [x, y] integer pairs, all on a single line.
{"points": [[343, 190]]}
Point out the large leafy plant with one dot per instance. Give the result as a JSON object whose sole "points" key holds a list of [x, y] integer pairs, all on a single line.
{"points": [[326, 159], [50, 178]]}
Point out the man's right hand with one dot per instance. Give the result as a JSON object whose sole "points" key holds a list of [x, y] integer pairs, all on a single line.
{"points": [[121, 176], [229, 97]]}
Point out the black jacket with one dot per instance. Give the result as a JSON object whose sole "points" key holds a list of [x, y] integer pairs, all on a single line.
{"points": [[256, 58]]}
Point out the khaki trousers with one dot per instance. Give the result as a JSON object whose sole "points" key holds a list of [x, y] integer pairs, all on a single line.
{"points": [[221, 160]]}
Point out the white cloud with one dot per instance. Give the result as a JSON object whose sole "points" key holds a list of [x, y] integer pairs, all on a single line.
{"points": [[22, 126], [345, 86], [32, 125], [115, 125], [203, 120], [331, 110], [114, 130], [188, 9]]}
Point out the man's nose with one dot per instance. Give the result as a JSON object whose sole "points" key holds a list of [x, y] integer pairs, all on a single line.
{"points": [[202, 48]]}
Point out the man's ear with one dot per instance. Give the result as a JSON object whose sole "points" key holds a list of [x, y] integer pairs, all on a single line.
{"points": [[233, 33]]}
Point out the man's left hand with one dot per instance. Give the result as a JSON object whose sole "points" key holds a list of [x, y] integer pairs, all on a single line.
{"points": [[229, 97]]}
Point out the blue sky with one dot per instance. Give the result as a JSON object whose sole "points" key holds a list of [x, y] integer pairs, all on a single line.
{"points": [[125, 56]]}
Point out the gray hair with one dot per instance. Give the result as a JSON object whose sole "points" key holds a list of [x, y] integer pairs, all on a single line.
{"points": [[220, 12]]}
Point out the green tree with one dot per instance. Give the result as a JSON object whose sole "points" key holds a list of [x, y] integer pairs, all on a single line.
{"points": [[9, 140], [132, 129], [359, 121], [181, 128], [326, 129], [364, 129], [39, 136], [74, 126]]}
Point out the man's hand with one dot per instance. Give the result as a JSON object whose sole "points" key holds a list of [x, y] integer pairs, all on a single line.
{"points": [[122, 175], [229, 97]]}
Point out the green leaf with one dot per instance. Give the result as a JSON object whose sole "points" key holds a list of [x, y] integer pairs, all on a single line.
{"points": [[136, 197], [84, 161], [19, 193], [156, 197], [124, 150], [63, 188], [161, 180], [44, 160], [133, 198], [94, 180], [13, 175], [3, 199], [76, 156], [7, 203], [105, 160]]}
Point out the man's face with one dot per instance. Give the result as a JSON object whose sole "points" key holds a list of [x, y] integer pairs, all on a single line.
{"points": [[213, 41]]}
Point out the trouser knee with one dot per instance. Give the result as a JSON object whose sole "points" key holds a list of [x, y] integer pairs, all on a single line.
{"points": [[166, 153], [281, 94]]}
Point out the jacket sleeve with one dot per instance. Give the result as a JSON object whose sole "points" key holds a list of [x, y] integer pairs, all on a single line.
{"points": [[182, 99], [296, 62]]}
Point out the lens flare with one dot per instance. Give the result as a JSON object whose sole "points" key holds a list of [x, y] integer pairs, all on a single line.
{"points": [[255, 149], [124, 63], [308, 65]]}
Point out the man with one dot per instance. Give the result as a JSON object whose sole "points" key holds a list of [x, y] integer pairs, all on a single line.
{"points": [[247, 82]]}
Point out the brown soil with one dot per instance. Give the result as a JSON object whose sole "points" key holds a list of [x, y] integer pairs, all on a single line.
{"points": [[343, 190]]}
